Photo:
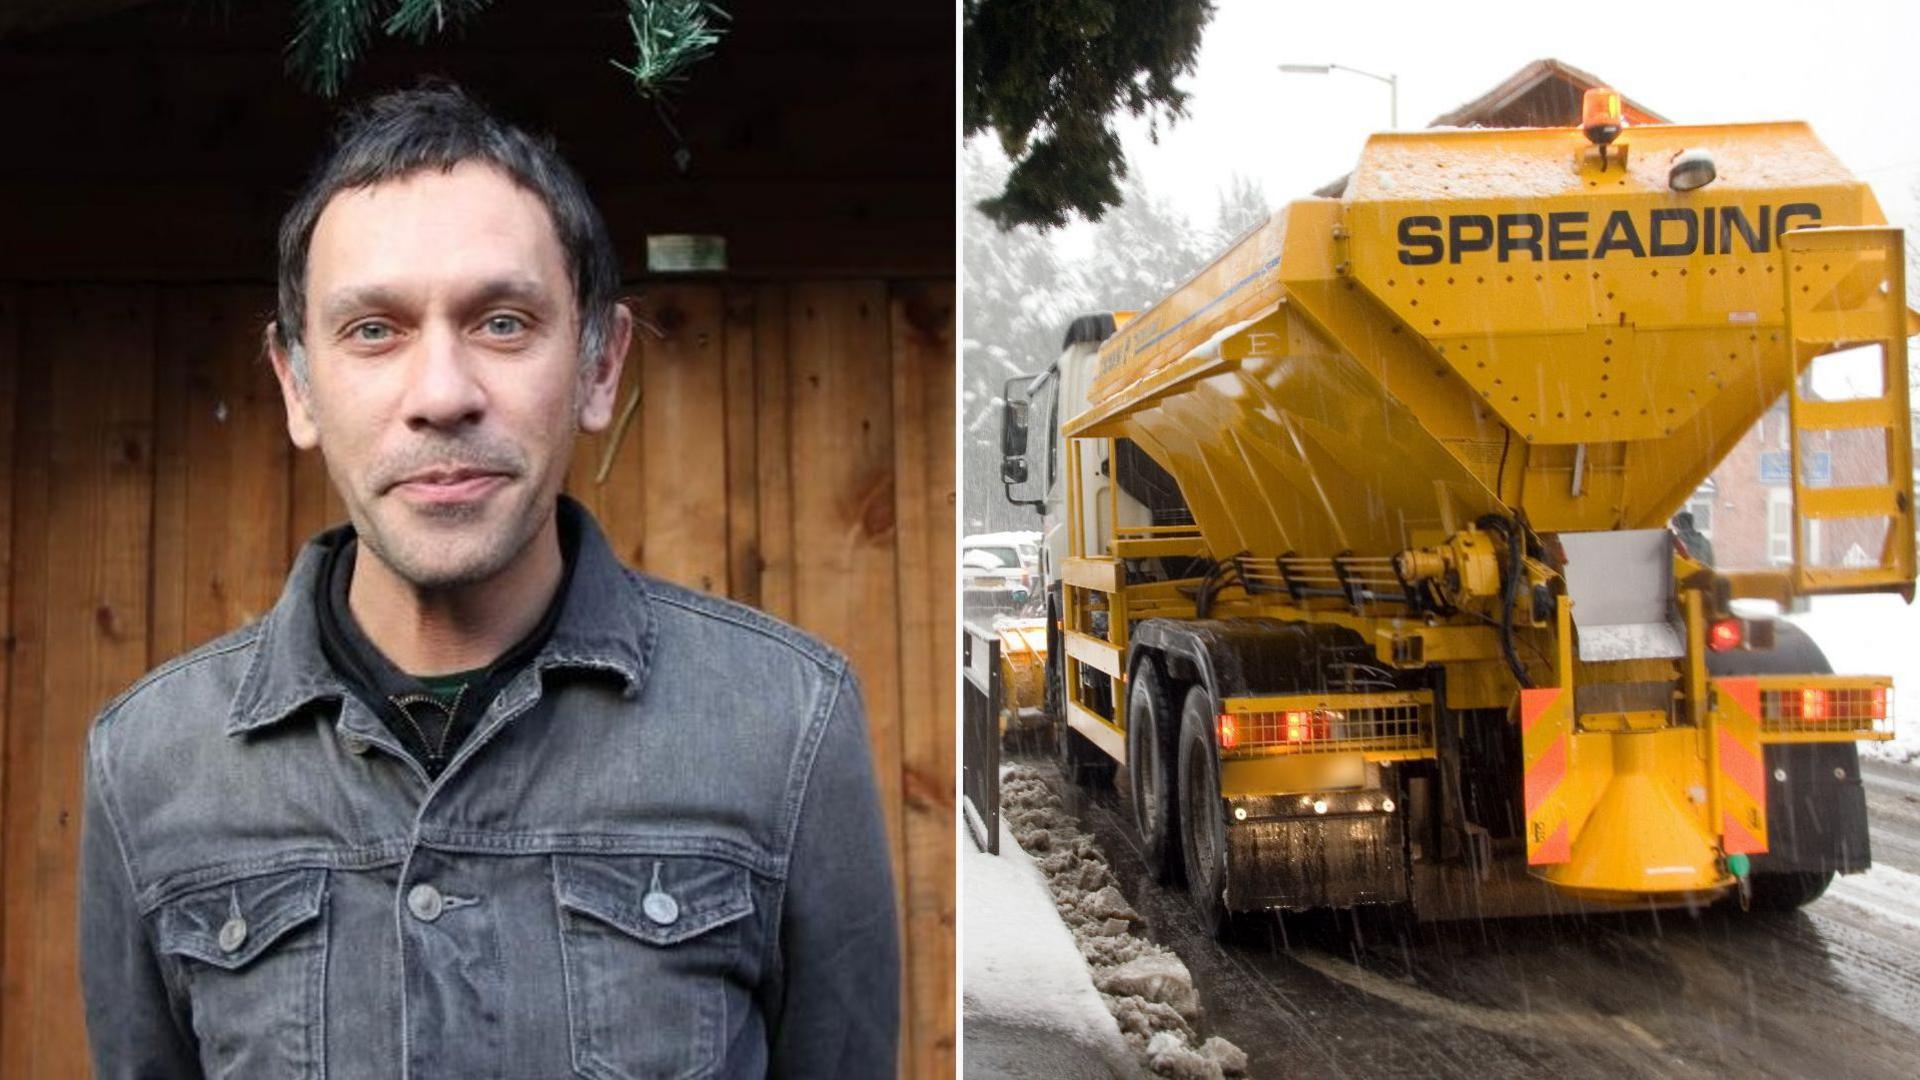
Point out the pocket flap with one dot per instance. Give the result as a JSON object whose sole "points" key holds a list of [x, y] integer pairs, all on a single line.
{"points": [[659, 899], [229, 925]]}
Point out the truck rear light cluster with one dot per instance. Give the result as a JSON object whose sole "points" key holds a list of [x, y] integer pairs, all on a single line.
{"points": [[1863, 711], [1290, 726], [1326, 730]]}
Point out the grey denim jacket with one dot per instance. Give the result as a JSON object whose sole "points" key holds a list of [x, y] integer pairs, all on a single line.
{"points": [[659, 854]]}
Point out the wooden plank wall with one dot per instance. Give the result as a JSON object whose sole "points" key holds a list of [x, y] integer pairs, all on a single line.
{"points": [[788, 445]]}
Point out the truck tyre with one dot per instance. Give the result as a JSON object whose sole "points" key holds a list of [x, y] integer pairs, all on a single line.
{"points": [[1151, 725], [1788, 891], [1794, 653], [1203, 820]]}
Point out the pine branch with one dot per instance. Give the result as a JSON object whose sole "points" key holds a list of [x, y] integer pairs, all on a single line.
{"points": [[420, 19], [331, 35], [669, 37]]}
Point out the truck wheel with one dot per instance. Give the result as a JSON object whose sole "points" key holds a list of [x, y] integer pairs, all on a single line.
{"points": [[1794, 653], [1150, 720], [1788, 891], [1204, 823]]}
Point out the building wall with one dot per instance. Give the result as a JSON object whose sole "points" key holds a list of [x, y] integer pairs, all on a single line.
{"points": [[1744, 488]]}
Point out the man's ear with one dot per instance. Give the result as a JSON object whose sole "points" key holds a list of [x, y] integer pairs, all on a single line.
{"points": [[600, 382], [300, 426]]}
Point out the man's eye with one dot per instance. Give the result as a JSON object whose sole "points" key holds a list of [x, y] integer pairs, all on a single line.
{"points": [[372, 332], [505, 325]]}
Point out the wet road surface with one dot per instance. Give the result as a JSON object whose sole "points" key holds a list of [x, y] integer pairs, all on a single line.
{"points": [[1830, 991]]}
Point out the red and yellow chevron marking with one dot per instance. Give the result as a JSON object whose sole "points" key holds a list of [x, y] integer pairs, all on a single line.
{"points": [[1743, 776], [1546, 727]]}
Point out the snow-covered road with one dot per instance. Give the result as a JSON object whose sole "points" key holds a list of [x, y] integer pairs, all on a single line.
{"points": [[1833, 990]]}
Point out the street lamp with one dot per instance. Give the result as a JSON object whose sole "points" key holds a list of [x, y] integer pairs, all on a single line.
{"points": [[1392, 81]]}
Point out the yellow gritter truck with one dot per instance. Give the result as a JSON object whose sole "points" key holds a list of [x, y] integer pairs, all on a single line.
{"points": [[1358, 562]]}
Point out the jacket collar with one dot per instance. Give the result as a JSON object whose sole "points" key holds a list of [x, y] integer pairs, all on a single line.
{"points": [[603, 626]]}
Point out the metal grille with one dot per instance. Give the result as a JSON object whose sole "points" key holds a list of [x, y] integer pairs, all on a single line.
{"points": [[1323, 728], [1857, 711], [1356, 579]]}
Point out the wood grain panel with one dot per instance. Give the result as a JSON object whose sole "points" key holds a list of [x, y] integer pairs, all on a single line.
{"points": [[221, 457], [921, 325], [98, 345], [683, 422], [743, 451], [845, 587], [9, 396], [23, 997], [773, 407]]}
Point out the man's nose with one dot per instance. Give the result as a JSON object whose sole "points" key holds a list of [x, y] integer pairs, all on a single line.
{"points": [[443, 388]]}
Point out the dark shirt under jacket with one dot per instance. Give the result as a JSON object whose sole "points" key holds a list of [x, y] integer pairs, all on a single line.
{"points": [[429, 725]]}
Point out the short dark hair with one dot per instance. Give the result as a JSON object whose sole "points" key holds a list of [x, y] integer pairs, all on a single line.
{"points": [[437, 126], [1683, 520]]}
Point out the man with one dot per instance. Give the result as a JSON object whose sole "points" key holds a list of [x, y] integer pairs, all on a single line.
{"points": [[1696, 541], [474, 800]]}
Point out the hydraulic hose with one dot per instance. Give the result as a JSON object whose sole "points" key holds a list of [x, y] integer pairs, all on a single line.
{"points": [[1513, 573]]}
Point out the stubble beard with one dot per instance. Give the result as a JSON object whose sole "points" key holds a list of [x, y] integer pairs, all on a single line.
{"points": [[418, 551], [442, 546], [450, 547]]}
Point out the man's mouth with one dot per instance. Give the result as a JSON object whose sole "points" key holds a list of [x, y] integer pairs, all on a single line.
{"points": [[450, 485]]}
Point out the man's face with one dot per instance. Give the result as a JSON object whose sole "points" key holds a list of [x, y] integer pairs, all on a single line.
{"points": [[444, 380]]}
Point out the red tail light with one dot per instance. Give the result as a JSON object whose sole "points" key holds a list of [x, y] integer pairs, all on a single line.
{"points": [[1877, 702], [1813, 705], [1725, 634], [1229, 735]]}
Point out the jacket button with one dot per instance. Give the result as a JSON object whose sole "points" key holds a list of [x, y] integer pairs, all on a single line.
{"points": [[233, 934], [660, 907], [355, 744], [425, 902]]}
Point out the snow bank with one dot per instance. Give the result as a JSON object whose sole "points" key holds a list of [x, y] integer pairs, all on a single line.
{"points": [[1147, 989], [1019, 964]]}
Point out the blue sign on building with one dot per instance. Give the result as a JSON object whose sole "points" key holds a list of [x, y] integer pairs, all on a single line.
{"points": [[1776, 468]]}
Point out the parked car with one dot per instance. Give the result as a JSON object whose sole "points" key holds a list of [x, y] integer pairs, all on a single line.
{"points": [[1000, 568]]}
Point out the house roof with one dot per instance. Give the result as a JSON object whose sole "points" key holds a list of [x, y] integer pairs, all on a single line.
{"points": [[1545, 93]]}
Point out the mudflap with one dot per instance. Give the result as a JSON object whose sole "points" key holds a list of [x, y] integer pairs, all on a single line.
{"points": [[1816, 810], [1284, 855]]}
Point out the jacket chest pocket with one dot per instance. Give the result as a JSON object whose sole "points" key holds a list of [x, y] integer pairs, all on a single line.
{"points": [[253, 957], [650, 945]]}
